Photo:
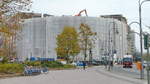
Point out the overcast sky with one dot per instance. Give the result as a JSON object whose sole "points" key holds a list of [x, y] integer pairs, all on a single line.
{"points": [[128, 8]]}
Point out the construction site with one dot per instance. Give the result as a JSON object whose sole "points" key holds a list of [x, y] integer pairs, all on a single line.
{"points": [[39, 34], [74, 42]]}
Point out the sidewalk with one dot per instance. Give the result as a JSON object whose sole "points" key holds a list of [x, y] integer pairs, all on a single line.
{"points": [[120, 76]]}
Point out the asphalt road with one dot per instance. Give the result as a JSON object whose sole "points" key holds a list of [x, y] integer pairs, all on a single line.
{"points": [[94, 75], [132, 72]]}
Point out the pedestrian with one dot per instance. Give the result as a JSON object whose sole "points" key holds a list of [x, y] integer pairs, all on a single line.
{"points": [[84, 64], [105, 63], [111, 64]]}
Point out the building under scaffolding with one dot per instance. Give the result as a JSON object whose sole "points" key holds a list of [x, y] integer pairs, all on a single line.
{"points": [[39, 36]]}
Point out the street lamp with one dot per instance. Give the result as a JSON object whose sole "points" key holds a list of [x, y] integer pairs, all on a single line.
{"points": [[140, 34], [140, 24], [134, 22], [137, 32]]}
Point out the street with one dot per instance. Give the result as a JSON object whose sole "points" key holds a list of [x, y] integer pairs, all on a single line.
{"points": [[132, 72], [92, 75]]}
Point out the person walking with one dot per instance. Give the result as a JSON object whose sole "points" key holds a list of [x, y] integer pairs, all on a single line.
{"points": [[84, 64]]}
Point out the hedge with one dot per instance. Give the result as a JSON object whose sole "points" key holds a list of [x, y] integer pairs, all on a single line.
{"points": [[11, 68]]}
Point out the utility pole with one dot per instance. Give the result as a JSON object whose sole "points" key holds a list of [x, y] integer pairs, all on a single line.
{"points": [[109, 62], [111, 44], [148, 78], [141, 42]]}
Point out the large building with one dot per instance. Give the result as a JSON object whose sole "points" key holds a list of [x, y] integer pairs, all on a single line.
{"points": [[116, 16], [131, 41], [39, 36]]}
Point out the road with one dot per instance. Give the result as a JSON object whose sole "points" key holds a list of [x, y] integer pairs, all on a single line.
{"points": [[94, 75]]}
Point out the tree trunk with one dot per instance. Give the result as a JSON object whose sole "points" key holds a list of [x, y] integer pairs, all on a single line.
{"points": [[90, 55], [85, 55], [67, 58]]}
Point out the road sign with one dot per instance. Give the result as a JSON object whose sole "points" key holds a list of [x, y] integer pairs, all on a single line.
{"points": [[146, 41], [149, 40], [146, 44]]}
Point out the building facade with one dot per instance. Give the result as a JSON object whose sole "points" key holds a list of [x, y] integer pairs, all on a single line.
{"points": [[39, 36]]}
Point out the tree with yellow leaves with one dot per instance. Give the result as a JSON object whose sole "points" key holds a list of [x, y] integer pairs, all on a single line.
{"points": [[67, 43], [13, 6], [10, 24], [87, 40]]}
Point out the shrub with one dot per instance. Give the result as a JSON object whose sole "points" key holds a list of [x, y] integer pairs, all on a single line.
{"points": [[11, 68], [33, 63], [67, 66], [52, 64], [4, 59], [49, 64]]}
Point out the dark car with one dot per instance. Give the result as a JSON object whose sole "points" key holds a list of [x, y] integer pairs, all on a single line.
{"points": [[94, 62]]}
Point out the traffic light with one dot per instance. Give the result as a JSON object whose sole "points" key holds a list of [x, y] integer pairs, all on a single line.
{"points": [[146, 45]]}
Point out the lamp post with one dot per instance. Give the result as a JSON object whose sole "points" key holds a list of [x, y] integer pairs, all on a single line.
{"points": [[137, 32], [141, 42]]}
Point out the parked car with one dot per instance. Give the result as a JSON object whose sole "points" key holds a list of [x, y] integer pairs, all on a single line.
{"points": [[94, 62], [81, 63], [145, 63]]}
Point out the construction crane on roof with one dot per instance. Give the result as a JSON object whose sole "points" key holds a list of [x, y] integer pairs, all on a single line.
{"points": [[79, 14]]}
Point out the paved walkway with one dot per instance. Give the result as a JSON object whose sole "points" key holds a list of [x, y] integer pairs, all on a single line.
{"points": [[95, 75]]}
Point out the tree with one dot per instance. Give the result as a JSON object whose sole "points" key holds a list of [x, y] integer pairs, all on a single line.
{"points": [[87, 40], [67, 43], [91, 45], [10, 24], [13, 6], [145, 57]]}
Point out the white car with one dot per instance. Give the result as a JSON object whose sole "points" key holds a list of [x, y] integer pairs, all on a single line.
{"points": [[74, 63], [63, 62]]}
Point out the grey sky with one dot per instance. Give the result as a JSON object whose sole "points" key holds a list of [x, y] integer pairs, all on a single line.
{"points": [[128, 8]]}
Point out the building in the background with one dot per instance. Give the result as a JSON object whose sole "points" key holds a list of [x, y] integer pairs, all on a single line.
{"points": [[131, 42], [25, 15], [117, 16], [39, 36], [130, 36]]}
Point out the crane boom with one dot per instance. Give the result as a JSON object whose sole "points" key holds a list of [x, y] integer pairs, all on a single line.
{"points": [[79, 14]]}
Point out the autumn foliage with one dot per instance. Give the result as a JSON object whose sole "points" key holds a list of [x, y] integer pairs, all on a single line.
{"points": [[68, 43], [10, 25]]}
